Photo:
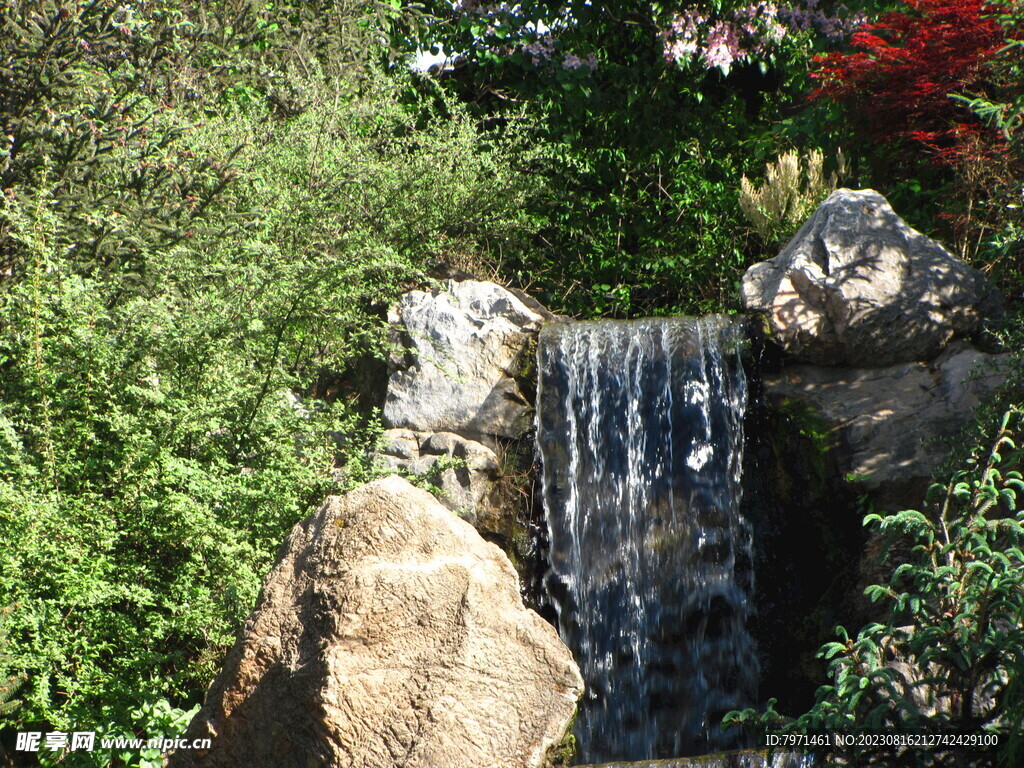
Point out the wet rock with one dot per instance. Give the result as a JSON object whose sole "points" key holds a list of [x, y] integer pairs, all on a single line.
{"points": [[388, 634], [858, 286]]}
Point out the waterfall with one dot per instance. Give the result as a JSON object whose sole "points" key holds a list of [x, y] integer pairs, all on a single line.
{"points": [[640, 431]]}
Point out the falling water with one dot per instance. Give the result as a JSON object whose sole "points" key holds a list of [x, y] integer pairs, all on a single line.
{"points": [[640, 428]]}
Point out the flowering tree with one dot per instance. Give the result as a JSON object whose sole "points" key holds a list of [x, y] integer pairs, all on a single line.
{"points": [[751, 32], [562, 35], [648, 114]]}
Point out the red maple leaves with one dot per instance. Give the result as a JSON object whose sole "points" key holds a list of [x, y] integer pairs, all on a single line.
{"points": [[909, 64]]}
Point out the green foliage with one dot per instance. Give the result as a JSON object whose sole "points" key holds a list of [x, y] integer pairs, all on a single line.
{"points": [[76, 125], [950, 655], [244, 53], [380, 176], [633, 230], [9, 683], [157, 329], [640, 152], [151, 720], [639, 214], [153, 471], [1001, 245]]}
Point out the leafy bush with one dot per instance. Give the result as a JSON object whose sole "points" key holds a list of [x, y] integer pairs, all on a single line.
{"points": [[75, 123], [148, 476], [387, 169], [949, 659], [9, 684], [175, 272]]}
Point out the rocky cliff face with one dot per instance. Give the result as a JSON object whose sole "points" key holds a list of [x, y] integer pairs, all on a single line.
{"points": [[459, 406], [874, 305], [889, 428], [388, 634]]}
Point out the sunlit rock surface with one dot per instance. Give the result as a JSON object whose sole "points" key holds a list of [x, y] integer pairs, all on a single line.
{"points": [[858, 286], [466, 346], [464, 471], [886, 426], [388, 634]]}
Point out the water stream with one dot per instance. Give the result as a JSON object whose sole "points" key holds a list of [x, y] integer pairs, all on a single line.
{"points": [[640, 429]]}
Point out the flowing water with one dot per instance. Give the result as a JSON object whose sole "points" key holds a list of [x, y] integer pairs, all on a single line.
{"points": [[640, 428]]}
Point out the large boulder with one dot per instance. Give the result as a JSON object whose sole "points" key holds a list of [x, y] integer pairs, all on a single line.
{"points": [[858, 286], [467, 348], [885, 426], [388, 634]]}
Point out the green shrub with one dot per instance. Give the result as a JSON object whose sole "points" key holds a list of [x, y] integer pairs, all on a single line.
{"points": [[949, 658], [149, 472], [77, 125], [163, 300], [383, 175]]}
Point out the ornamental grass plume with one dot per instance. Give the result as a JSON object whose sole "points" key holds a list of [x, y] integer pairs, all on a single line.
{"points": [[792, 189]]}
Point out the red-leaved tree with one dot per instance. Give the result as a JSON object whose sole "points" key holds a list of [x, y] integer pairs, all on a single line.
{"points": [[903, 79]]}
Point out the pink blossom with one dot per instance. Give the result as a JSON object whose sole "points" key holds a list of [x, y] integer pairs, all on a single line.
{"points": [[681, 40], [723, 47], [750, 30], [572, 61], [540, 49]]}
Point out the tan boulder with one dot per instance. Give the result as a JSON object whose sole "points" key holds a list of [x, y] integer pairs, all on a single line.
{"points": [[388, 634]]}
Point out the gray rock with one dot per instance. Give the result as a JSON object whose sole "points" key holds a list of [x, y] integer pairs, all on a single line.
{"points": [[886, 425], [858, 286], [402, 445], [466, 348], [388, 634], [465, 471], [926, 687]]}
